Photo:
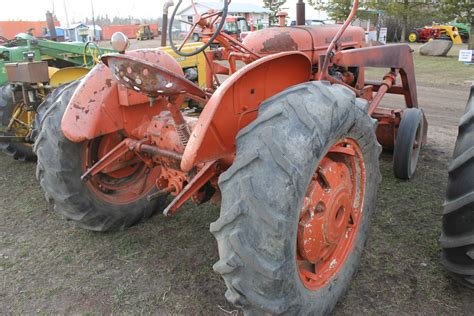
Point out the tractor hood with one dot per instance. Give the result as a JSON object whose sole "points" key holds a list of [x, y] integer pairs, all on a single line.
{"points": [[311, 40]]}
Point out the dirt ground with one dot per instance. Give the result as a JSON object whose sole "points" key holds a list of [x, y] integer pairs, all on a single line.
{"points": [[164, 266]]}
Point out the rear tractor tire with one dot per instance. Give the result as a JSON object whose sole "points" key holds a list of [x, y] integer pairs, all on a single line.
{"points": [[113, 200], [19, 151], [297, 200], [457, 239]]}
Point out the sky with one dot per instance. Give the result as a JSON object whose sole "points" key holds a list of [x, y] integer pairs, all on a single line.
{"points": [[78, 10]]}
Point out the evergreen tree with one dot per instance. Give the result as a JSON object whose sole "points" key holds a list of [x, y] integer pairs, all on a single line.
{"points": [[405, 10], [274, 6], [338, 10]]}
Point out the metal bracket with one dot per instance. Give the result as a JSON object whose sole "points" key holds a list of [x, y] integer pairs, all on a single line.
{"points": [[201, 178]]}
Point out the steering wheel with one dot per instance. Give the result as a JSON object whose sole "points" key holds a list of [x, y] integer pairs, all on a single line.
{"points": [[93, 52], [198, 20]]}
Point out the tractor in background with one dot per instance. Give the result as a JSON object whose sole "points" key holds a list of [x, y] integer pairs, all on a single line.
{"points": [[429, 33], [30, 69], [145, 33], [288, 144], [234, 26]]}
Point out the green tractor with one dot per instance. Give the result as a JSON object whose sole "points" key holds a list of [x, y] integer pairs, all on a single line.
{"points": [[30, 69]]}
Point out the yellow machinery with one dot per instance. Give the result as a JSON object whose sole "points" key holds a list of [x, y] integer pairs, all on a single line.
{"points": [[434, 32], [145, 33], [450, 31], [194, 67]]}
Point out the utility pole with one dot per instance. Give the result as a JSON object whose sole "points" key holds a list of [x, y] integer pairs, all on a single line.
{"points": [[93, 21], [51, 26], [65, 12]]}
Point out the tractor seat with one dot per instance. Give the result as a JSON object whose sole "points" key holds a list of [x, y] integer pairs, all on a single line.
{"points": [[150, 79]]}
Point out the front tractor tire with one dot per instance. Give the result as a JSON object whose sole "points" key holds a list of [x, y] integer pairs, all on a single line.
{"points": [[114, 200], [457, 238], [297, 200]]}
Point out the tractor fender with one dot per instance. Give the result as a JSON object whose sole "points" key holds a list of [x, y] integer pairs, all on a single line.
{"points": [[235, 104], [100, 106], [66, 75]]}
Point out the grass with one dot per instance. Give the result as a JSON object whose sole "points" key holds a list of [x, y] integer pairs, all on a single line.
{"points": [[164, 266]]}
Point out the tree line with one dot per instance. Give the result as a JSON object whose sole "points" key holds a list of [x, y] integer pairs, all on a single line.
{"points": [[105, 20], [401, 15]]}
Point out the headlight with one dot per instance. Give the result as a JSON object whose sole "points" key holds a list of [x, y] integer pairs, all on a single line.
{"points": [[119, 42]]}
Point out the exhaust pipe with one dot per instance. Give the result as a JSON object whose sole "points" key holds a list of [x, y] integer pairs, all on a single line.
{"points": [[164, 22], [300, 13]]}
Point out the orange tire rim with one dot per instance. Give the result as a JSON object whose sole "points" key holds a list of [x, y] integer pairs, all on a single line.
{"points": [[123, 182], [330, 216]]}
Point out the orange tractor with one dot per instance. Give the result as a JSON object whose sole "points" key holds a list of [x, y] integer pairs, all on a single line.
{"points": [[287, 144]]}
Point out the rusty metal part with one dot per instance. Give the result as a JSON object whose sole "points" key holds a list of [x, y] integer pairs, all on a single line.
{"points": [[387, 82], [395, 56], [234, 105], [153, 150], [111, 157], [172, 180], [125, 146], [181, 126], [100, 106], [329, 53], [210, 170], [163, 133], [125, 178], [387, 127], [150, 79], [310, 40], [231, 44]]}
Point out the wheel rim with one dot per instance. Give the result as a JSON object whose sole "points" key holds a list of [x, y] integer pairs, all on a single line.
{"points": [[412, 38], [123, 182], [330, 216]]}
